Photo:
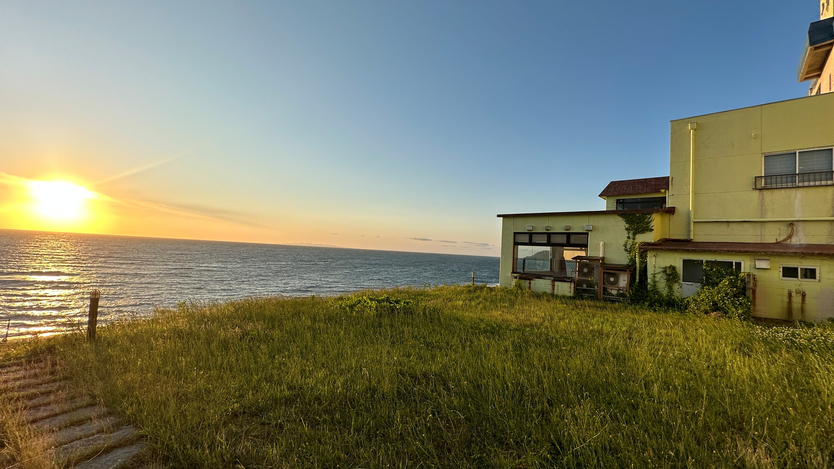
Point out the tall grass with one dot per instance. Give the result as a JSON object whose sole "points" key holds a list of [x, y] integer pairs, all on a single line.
{"points": [[463, 377]]}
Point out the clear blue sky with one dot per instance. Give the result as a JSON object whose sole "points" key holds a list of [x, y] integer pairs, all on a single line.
{"points": [[369, 124]]}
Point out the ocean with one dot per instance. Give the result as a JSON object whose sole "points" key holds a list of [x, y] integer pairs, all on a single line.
{"points": [[46, 278]]}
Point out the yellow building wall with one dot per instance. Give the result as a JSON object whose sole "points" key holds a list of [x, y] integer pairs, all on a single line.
{"points": [[729, 148], [607, 228], [611, 202], [826, 9], [774, 297]]}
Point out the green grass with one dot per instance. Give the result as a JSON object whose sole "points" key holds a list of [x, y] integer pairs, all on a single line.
{"points": [[463, 377]]}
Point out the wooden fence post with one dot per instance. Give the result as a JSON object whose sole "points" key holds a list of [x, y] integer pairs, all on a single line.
{"points": [[473, 278], [93, 315]]}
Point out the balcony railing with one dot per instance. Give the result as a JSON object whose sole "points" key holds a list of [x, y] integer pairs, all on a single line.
{"points": [[782, 181]]}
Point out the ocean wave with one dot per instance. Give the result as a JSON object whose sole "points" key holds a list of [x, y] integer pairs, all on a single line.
{"points": [[36, 273]]}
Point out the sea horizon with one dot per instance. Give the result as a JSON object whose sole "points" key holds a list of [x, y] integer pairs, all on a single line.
{"points": [[46, 277]]}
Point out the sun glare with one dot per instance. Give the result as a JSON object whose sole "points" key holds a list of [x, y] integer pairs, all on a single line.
{"points": [[59, 200]]}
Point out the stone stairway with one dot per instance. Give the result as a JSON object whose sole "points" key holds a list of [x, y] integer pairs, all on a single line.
{"points": [[72, 429]]}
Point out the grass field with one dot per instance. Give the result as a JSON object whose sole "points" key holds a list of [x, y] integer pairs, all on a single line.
{"points": [[461, 377]]}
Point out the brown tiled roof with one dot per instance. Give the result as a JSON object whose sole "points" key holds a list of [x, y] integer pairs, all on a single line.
{"points": [[591, 212], [636, 186], [750, 248]]}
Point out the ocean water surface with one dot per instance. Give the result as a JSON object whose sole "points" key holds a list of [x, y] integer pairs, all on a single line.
{"points": [[46, 278]]}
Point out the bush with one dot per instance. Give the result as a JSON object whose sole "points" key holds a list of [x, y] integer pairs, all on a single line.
{"points": [[724, 291], [377, 304]]}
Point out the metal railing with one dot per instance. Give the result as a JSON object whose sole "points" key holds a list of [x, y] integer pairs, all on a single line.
{"points": [[782, 181]]}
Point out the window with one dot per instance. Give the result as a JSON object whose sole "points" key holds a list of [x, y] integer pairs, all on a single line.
{"points": [[693, 269], [797, 168], [641, 203], [550, 254], [807, 274]]}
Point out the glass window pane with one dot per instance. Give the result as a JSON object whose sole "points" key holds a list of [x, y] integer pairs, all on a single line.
{"points": [[693, 271], [567, 264], [579, 239], [641, 203], [522, 238], [815, 160], [784, 163], [540, 238], [558, 239], [790, 272], [808, 273], [533, 259]]}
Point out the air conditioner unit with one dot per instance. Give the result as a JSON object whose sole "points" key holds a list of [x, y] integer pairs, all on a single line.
{"points": [[586, 284], [615, 279], [585, 270]]}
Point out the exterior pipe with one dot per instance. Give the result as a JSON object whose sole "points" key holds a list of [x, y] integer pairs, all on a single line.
{"points": [[787, 238], [602, 249], [692, 127], [637, 271], [763, 220]]}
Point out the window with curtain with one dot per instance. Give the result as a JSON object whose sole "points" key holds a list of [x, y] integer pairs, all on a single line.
{"points": [[805, 167]]}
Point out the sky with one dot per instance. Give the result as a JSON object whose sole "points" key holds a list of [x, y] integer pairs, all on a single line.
{"points": [[363, 124]]}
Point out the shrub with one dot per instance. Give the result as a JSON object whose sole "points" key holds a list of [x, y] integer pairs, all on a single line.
{"points": [[376, 304], [724, 291]]}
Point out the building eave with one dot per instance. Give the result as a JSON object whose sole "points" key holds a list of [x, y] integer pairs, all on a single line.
{"points": [[669, 210], [742, 248], [818, 46]]}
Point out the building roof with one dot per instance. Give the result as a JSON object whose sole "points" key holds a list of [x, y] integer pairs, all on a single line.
{"points": [[636, 186], [749, 248], [590, 212]]}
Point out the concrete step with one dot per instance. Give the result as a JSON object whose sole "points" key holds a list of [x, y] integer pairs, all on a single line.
{"points": [[33, 414], [34, 391], [98, 444], [70, 418], [83, 430], [116, 459], [30, 382]]}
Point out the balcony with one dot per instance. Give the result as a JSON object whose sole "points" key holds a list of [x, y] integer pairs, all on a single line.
{"points": [[785, 181]]}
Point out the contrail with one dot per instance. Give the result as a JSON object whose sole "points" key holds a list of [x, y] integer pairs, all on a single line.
{"points": [[11, 180], [140, 169]]}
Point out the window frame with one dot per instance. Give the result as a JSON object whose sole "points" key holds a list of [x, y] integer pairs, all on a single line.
{"points": [[799, 269], [621, 203], [572, 241], [794, 179], [740, 269]]}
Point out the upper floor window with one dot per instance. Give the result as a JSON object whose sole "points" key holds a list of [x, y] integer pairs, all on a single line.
{"points": [[641, 203], [797, 169]]}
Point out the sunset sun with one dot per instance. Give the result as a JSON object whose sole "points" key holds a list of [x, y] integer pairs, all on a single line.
{"points": [[59, 200]]}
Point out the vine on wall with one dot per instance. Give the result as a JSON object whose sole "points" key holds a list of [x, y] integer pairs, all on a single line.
{"points": [[635, 225]]}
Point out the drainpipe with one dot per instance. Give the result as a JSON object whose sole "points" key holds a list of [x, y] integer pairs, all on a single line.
{"points": [[692, 127]]}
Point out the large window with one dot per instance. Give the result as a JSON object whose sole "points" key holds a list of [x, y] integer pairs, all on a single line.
{"points": [[548, 254], [693, 269], [641, 203], [797, 168]]}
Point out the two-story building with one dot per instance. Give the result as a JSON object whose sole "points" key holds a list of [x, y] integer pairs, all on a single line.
{"points": [[751, 188]]}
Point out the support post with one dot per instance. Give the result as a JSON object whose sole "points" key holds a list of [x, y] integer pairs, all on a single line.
{"points": [[93, 315], [473, 278]]}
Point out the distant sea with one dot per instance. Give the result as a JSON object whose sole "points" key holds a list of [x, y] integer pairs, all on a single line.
{"points": [[45, 278]]}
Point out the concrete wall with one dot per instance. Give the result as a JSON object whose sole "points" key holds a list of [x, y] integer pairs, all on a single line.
{"points": [[807, 300], [729, 148], [608, 228]]}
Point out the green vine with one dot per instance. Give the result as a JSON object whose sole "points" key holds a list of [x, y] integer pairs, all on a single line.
{"points": [[671, 277], [635, 225]]}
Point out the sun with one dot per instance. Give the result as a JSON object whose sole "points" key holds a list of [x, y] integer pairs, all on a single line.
{"points": [[59, 200]]}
